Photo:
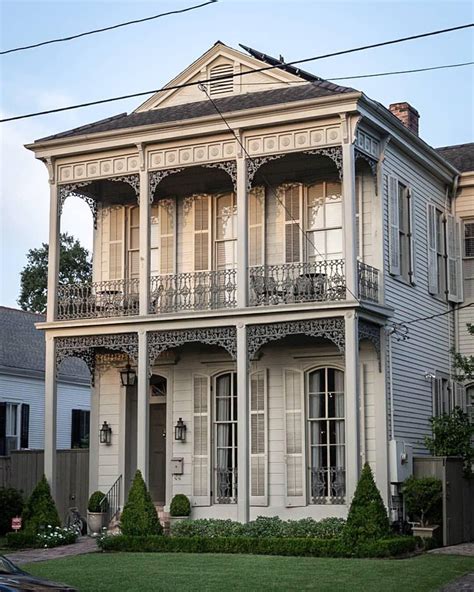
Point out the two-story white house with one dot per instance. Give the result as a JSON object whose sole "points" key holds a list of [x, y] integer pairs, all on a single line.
{"points": [[257, 239]]}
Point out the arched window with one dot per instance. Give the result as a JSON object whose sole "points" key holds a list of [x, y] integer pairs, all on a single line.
{"points": [[225, 438], [326, 435]]}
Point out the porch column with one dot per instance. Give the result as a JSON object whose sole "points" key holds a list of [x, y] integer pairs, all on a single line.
{"points": [[143, 408], [50, 413], [242, 233], [349, 205], [351, 390], [243, 499], [53, 252], [144, 288]]}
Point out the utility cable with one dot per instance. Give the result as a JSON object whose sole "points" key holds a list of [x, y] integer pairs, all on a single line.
{"points": [[233, 75], [110, 28]]}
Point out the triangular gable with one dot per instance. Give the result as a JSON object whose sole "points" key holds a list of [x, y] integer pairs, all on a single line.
{"points": [[219, 60]]}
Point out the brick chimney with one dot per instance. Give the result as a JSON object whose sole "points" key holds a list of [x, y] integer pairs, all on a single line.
{"points": [[407, 114]]}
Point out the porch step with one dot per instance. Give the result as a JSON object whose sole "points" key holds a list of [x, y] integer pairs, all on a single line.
{"points": [[163, 517]]}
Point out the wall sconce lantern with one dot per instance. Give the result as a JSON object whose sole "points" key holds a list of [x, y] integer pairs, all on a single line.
{"points": [[180, 431], [128, 376], [105, 434]]}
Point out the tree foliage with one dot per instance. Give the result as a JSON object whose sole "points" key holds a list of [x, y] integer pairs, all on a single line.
{"points": [[40, 510], [423, 499], [74, 267], [139, 517], [464, 365]]}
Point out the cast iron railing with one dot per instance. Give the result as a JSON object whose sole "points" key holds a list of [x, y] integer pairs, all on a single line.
{"points": [[297, 282], [328, 485], [113, 298], [226, 486], [199, 290], [110, 504], [368, 282]]}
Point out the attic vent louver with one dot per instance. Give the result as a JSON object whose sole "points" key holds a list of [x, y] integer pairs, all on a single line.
{"points": [[220, 87]]}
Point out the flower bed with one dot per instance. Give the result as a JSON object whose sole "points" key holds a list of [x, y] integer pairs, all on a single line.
{"points": [[47, 538]]}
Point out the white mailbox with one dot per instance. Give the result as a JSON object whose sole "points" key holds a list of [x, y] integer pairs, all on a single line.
{"points": [[177, 466], [401, 461]]}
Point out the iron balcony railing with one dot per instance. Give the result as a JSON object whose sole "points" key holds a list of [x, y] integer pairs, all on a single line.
{"points": [[328, 485], [199, 290], [297, 282], [226, 485], [113, 298], [368, 282]]}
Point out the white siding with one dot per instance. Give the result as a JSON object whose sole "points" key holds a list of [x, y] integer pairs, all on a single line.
{"points": [[108, 390]]}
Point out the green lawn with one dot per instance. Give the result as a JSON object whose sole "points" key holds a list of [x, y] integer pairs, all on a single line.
{"points": [[178, 571]]}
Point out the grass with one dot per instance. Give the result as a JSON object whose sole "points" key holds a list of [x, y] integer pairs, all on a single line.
{"points": [[178, 571]]}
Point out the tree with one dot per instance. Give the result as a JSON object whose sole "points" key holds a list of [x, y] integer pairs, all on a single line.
{"points": [[74, 267], [40, 510], [139, 517], [464, 365]]}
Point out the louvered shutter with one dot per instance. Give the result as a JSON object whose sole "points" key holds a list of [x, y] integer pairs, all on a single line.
{"points": [[459, 391], [432, 249], [394, 225], [412, 235], [256, 226], [116, 254], [295, 471], [258, 439], [201, 469], [3, 429], [25, 426], [292, 201], [162, 238], [201, 233], [454, 259], [134, 243]]}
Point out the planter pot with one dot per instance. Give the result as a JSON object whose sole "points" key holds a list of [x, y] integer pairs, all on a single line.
{"points": [[95, 521], [425, 532]]}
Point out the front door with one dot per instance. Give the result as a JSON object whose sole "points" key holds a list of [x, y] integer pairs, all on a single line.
{"points": [[157, 470]]}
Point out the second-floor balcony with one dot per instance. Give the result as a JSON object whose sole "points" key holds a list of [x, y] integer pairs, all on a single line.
{"points": [[268, 285]]}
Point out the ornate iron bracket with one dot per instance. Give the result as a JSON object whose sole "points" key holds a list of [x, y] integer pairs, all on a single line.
{"points": [[254, 163], [155, 178], [85, 348], [228, 166], [372, 162], [160, 341], [334, 153], [132, 180], [371, 332], [259, 335]]}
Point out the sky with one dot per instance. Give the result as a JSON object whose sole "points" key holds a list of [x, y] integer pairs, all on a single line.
{"points": [[147, 55]]}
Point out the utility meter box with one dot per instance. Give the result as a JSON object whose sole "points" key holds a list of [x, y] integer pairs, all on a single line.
{"points": [[401, 461], [177, 466]]}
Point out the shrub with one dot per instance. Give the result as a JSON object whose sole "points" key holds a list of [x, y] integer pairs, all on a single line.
{"points": [[302, 547], [205, 527], [327, 528], [367, 519], [95, 502], [56, 537], [180, 505], [40, 510], [11, 505], [423, 499], [139, 517], [22, 540]]}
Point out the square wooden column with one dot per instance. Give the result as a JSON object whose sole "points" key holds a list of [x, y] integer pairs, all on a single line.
{"points": [[50, 414], [144, 244], [242, 233], [243, 498], [53, 253], [349, 216], [143, 406], [351, 397]]}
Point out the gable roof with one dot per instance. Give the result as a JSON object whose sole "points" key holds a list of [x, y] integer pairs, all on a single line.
{"points": [[460, 156], [22, 347]]}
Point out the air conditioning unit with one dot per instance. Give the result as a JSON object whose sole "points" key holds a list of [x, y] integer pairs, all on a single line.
{"points": [[400, 461]]}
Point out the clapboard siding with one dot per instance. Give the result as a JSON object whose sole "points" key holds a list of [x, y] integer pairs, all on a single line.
{"points": [[108, 391], [429, 342], [15, 389]]}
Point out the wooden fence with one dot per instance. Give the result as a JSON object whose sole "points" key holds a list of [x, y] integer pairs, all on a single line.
{"points": [[24, 468]]}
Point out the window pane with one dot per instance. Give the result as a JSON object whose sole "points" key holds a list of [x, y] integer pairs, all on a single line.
{"points": [[319, 433], [317, 381], [333, 213], [317, 406], [334, 243]]}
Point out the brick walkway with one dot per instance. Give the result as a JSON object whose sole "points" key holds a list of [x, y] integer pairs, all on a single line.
{"points": [[466, 583], [83, 545]]}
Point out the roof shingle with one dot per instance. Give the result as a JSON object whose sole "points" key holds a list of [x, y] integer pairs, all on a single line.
{"points": [[460, 156]]}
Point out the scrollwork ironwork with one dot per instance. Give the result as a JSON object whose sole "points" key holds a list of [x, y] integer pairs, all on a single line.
{"points": [[64, 191], [371, 332], [228, 166], [155, 178], [372, 162], [333, 152], [332, 329], [254, 163], [132, 180]]}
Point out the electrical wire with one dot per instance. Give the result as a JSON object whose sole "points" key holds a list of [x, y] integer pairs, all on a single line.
{"points": [[233, 75], [268, 184], [110, 28], [440, 314]]}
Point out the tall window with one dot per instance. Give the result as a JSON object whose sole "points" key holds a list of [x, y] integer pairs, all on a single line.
{"points": [[402, 260], [225, 232], [324, 221], [447, 394], [80, 427], [440, 254], [225, 438], [134, 243], [468, 259], [326, 437]]}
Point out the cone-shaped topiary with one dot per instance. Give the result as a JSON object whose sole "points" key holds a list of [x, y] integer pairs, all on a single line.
{"points": [[367, 519], [40, 510], [139, 517]]}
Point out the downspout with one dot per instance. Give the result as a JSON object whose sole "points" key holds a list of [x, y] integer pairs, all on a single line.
{"points": [[454, 192]]}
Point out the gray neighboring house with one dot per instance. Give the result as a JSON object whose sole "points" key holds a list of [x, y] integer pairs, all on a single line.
{"points": [[22, 360]]}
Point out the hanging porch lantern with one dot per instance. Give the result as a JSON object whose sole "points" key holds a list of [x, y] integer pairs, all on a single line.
{"points": [[180, 431], [128, 376], [105, 434]]}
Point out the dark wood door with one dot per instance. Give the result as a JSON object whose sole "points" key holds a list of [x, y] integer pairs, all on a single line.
{"points": [[157, 471]]}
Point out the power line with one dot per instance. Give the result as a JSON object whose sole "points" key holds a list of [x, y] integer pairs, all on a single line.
{"points": [[110, 28], [233, 75], [269, 185]]}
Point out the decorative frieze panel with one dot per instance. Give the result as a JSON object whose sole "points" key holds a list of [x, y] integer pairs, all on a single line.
{"points": [[160, 341], [294, 140], [366, 142], [101, 167], [371, 332], [191, 155], [259, 335]]}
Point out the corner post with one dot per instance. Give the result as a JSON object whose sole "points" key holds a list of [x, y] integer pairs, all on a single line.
{"points": [[143, 407], [243, 498], [54, 247], [351, 391], [242, 233], [144, 201], [349, 215], [50, 413]]}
